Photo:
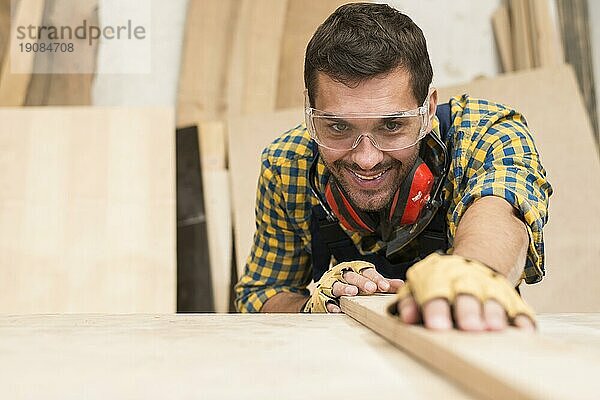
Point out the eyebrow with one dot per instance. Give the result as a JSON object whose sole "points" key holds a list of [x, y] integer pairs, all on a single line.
{"points": [[336, 119], [333, 118]]}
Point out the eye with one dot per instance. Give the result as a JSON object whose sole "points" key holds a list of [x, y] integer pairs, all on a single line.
{"points": [[339, 127], [392, 126]]}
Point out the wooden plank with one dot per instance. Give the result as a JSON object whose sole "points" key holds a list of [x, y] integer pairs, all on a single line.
{"points": [[194, 283], [502, 34], [249, 135], [206, 356], [205, 58], [302, 19], [575, 30], [87, 210], [521, 35], [219, 225], [548, 51], [4, 29], [531, 23], [253, 73], [217, 201], [572, 237], [491, 365], [65, 78], [212, 136], [13, 86]]}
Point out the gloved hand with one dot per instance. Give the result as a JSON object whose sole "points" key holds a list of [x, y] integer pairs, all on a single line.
{"points": [[450, 276], [347, 278]]}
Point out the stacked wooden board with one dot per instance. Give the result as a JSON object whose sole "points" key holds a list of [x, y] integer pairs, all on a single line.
{"points": [[87, 210], [13, 86], [579, 51], [66, 78], [194, 292], [46, 78], [526, 35], [546, 33]]}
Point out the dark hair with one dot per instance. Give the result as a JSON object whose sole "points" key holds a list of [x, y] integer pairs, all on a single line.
{"points": [[361, 40]]}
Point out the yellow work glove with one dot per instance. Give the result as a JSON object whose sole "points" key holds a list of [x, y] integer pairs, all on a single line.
{"points": [[447, 276], [323, 292]]}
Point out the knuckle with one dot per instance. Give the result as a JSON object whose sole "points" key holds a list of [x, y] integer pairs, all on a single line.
{"points": [[350, 276], [338, 288]]}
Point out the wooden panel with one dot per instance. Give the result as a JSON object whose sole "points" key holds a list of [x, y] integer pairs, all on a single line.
{"points": [[217, 201], [521, 34], [549, 51], [207, 357], [253, 73], [13, 86], [87, 210], [220, 230], [502, 34], [492, 365], [205, 59], [302, 19], [249, 136], [65, 78], [194, 288], [565, 141], [575, 30], [4, 29]]}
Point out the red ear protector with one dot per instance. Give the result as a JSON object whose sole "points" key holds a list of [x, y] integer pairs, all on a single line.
{"points": [[406, 206]]}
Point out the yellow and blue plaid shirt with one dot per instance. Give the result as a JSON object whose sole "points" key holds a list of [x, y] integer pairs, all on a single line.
{"points": [[492, 153]]}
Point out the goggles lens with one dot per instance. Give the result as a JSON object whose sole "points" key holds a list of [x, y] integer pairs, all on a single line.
{"points": [[392, 132], [389, 132]]}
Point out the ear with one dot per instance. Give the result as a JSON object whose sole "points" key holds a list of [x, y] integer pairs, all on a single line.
{"points": [[433, 98]]}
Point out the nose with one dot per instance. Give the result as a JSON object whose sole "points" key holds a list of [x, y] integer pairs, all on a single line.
{"points": [[366, 155]]}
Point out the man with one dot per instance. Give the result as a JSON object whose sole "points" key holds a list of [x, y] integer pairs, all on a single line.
{"points": [[387, 188]]}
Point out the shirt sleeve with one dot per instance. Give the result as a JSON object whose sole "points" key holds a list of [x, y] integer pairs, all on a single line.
{"points": [[499, 158], [278, 261]]}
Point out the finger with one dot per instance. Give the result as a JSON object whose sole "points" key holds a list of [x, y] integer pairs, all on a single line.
{"points": [[409, 311], [436, 314], [382, 284], [342, 289], [523, 322], [467, 313], [395, 284], [333, 308], [363, 283], [494, 315]]}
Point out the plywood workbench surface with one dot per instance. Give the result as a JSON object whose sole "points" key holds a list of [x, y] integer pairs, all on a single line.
{"points": [[206, 356], [224, 356]]}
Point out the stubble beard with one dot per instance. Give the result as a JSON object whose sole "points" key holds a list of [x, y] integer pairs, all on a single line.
{"points": [[373, 200]]}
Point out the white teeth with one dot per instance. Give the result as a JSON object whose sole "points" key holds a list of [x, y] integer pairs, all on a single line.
{"points": [[369, 178]]}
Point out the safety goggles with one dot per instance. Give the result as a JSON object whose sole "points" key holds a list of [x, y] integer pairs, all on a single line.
{"points": [[387, 132]]}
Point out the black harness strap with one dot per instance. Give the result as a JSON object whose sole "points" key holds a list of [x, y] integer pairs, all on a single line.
{"points": [[329, 239]]}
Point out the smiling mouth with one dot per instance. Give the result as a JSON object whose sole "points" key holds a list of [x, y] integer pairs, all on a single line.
{"points": [[371, 177]]}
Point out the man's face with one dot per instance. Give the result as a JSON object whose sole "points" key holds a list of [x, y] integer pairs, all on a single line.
{"points": [[368, 175]]}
